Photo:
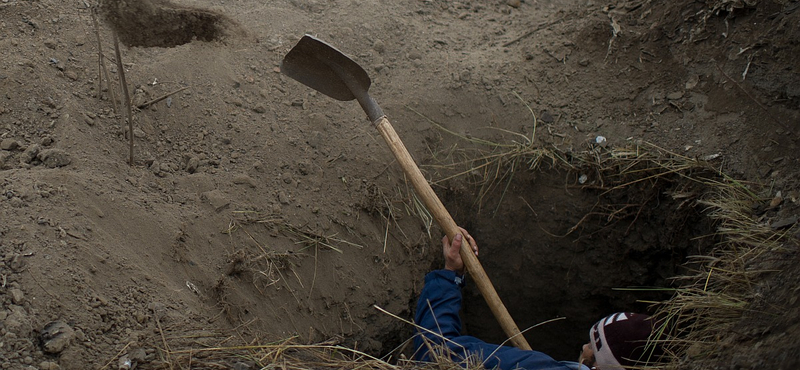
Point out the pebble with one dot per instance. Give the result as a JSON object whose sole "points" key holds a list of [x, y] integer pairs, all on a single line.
{"points": [[53, 158], [675, 95], [260, 109], [30, 153], [379, 46], [192, 164], [547, 117], [71, 75], [89, 121], [244, 180], [315, 139], [283, 198], [17, 297], [514, 3], [216, 199]]}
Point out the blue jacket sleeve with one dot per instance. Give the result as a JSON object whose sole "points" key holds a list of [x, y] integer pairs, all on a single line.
{"points": [[440, 327]]}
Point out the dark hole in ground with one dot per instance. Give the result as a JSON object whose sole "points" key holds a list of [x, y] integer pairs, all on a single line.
{"points": [[159, 23], [637, 236]]}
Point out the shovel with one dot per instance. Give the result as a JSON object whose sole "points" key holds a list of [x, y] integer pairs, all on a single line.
{"points": [[322, 67]]}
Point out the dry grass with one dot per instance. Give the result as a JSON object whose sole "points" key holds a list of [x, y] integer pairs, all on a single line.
{"points": [[705, 304]]}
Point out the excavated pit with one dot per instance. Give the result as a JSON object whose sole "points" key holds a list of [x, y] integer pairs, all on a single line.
{"points": [[565, 250]]}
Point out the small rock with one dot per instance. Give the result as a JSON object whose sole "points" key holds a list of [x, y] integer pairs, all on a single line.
{"points": [[692, 82], [9, 144], [414, 55], [379, 46], [260, 109], [287, 178], [547, 117], [784, 223], [776, 201], [56, 336], [244, 180], [30, 153], [513, 3], [601, 140], [71, 75], [584, 62], [124, 363], [138, 133], [315, 139], [89, 120], [17, 297], [675, 95], [216, 199], [47, 141], [192, 164], [283, 198], [50, 44], [53, 158]]}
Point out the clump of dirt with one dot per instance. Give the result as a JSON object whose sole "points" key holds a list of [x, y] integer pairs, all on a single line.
{"points": [[160, 23]]}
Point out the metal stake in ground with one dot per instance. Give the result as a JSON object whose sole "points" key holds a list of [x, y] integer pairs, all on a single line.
{"points": [[324, 68]]}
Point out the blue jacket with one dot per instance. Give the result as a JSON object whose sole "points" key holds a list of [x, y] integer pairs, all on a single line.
{"points": [[437, 311]]}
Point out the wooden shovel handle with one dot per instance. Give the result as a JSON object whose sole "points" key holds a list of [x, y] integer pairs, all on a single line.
{"points": [[445, 221]]}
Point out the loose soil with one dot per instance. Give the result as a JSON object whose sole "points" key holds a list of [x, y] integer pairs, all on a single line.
{"points": [[257, 209]]}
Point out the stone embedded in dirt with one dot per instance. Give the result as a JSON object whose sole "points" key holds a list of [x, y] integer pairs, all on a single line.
{"points": [[260, 109], [314, 139], [53, 158], [56, 336], [216, 199], [245, 180], [50, 43], [675, 95], [17, 297], [514, 3], [30, 153], [9, 144], [192, 164], [283, 198], [547, 117], [379, 46], [784, 223]]}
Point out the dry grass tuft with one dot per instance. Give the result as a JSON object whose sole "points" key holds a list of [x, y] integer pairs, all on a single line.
{"points": [[706, 304]]}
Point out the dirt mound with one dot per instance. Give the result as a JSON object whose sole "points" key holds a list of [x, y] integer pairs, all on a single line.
{"points": [[162, 23]]}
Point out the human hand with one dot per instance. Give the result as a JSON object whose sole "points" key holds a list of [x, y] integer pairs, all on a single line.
{"points": [[452, 252]]}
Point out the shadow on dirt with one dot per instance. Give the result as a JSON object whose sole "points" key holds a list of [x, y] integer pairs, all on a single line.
{"points": [[159, 23], [564, 250]]}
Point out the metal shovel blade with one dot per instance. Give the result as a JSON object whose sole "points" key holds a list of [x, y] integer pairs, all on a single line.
{"points": [[322, 67]]}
